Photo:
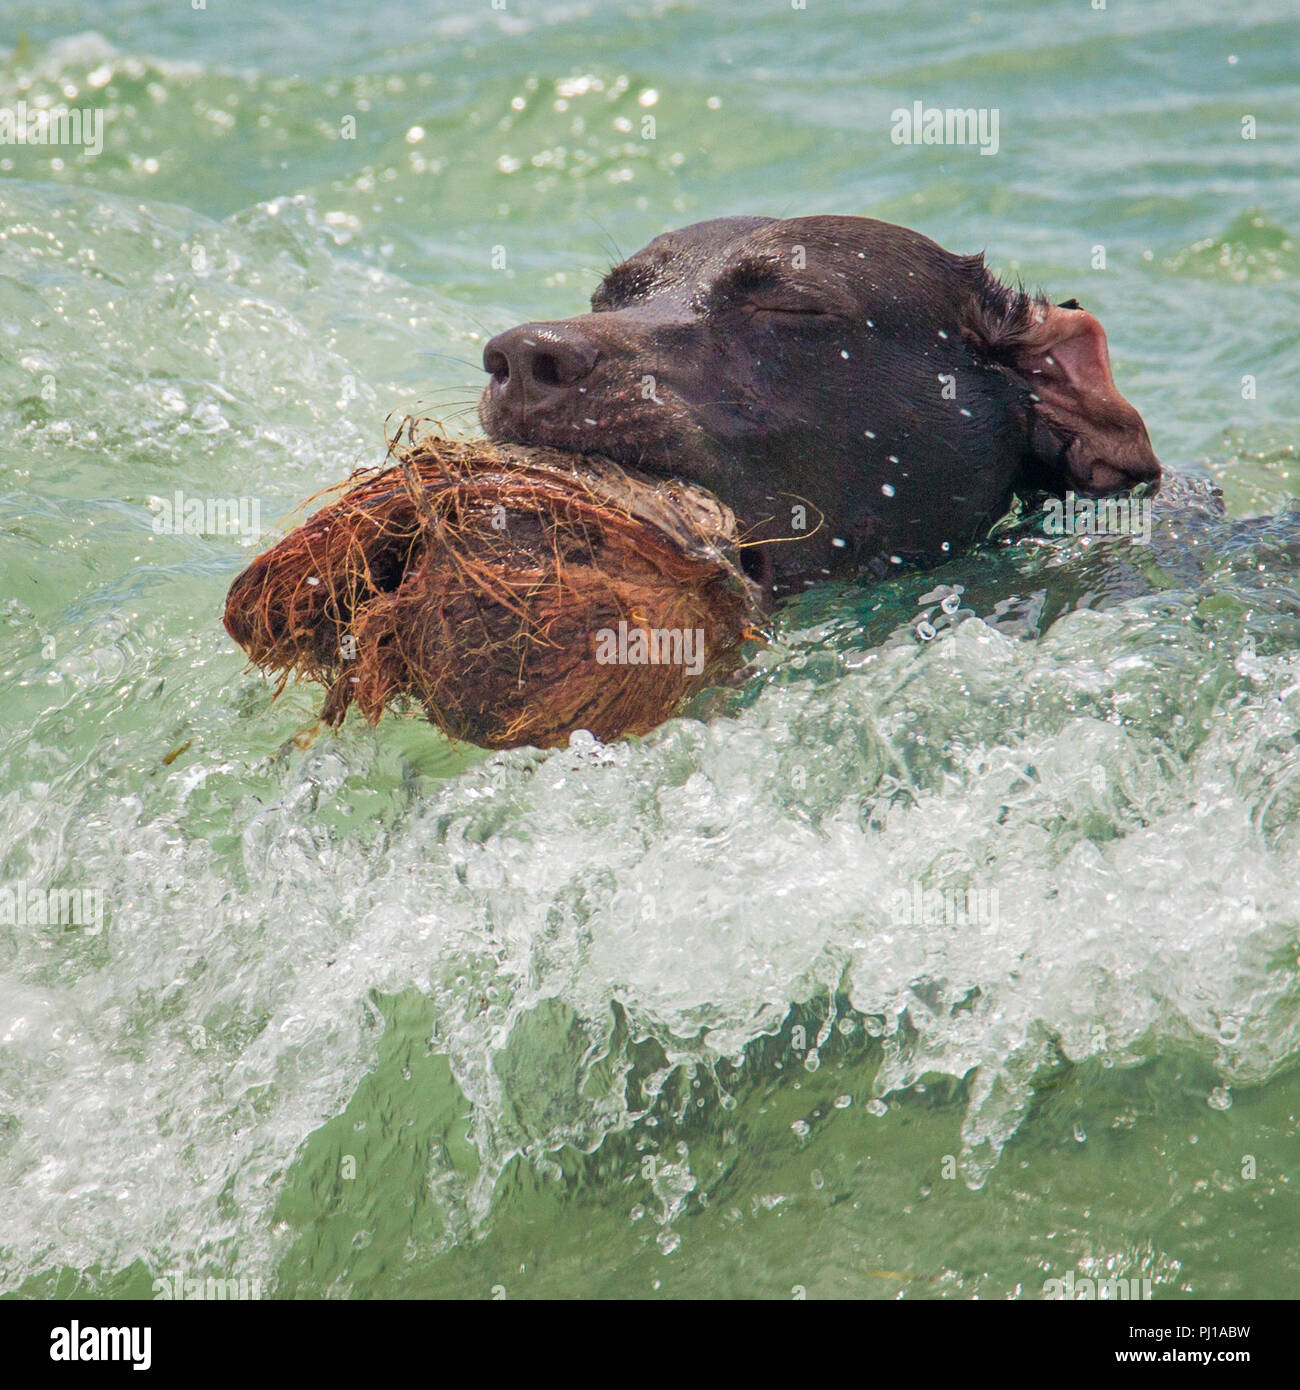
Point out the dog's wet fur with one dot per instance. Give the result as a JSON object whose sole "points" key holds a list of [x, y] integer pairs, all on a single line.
{"points": [[838, 381]]}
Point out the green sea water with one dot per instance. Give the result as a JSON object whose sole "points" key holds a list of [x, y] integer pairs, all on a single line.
{"points": [[381, 1017]]}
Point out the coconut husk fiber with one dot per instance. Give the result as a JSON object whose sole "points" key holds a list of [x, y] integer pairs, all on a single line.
{"points": [[486, 582]]}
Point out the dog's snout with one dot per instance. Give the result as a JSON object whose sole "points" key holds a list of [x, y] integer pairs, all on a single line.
{"points": [[539, 354]]}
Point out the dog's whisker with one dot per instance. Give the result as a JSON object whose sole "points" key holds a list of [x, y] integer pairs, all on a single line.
{"points": [[451, 357]]}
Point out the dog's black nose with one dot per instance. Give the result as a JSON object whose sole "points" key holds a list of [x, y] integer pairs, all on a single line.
{"points": [[539, 354]]}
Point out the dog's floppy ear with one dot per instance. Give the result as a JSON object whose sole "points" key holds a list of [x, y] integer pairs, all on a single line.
{"points": [[1085, 434]]}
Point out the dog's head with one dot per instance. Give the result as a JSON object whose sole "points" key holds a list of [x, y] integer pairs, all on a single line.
{"points": [[834, 363]]}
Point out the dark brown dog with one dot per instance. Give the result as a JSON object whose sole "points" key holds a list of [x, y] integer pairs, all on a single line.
{"points": [[837, 380]]}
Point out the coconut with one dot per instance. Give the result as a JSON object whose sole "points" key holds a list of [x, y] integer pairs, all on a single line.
{"points": [[518, 594]]}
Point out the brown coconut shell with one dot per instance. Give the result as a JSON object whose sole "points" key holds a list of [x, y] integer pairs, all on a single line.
{"points": [[478, 579]]}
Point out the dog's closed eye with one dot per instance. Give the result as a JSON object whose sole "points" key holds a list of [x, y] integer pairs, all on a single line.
{"points": [[786, 304], [758, 288]]}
